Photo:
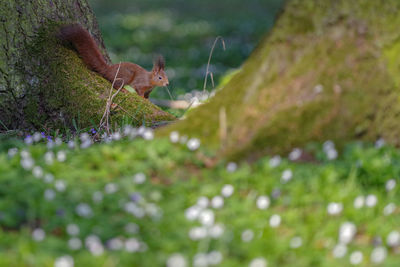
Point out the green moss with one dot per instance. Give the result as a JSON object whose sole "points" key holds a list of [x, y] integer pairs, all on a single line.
{"points": [[69, 91], [272, 105]]}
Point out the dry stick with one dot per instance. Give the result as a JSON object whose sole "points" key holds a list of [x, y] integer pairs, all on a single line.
{"points": [[209, 60], [106, 115]]}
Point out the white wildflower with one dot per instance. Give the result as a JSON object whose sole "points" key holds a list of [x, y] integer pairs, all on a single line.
{"points": [[132, 245], [286, 176], [37, 171], [148, 134], [75, 243], [110, 188], [216, 231], [347, 232], [247, 235], [295, 154], [64, 261], [174, 137], [334, 208], [60, 185], [390, 184], [318, 89], [139, 178], [49, 194], [275, 220], [393, 239], [258, 262], [49, 157], [359, 202], [356, 257], [115, 243], [200, 260], [71, 144], [84, 210], [389, 209], [227, 190], [275, 161], [12, 152], [296, 242], [214, 257], [339, 251], [192, 213], [202, 202], [48, 178], [61, 156], [378, 254], [193, 144], [36, 137], [198, 233], [263, 202], [97, 197], [38, 234], [176, 260], [371, 200], [27, 163], [231, 167], [206, 217], [217, 202], [73, 229]]}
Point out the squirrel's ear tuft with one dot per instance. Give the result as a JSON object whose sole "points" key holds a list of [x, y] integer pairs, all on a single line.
{"points": [[159, 63]]}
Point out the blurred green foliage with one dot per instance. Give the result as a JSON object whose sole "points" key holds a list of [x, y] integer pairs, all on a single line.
{"points": [[184, 31], [122, 210]]}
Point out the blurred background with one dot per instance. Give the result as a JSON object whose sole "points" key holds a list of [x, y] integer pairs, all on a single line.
{"points": [[184, 31]]}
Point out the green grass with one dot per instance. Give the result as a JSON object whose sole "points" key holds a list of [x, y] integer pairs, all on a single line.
{"points": [[175, 179], [184, 31]]}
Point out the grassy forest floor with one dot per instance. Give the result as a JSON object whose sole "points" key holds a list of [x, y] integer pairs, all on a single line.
{"points": [[137, 200], [160, 202]]}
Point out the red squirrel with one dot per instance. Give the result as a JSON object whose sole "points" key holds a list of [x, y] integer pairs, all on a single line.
{"points": [[131, 74]]}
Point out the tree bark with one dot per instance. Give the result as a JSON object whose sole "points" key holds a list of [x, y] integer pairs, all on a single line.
{"points": [[44, 84], [329, 70]]}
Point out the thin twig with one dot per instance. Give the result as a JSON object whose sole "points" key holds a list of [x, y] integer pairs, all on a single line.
{"points": [[5, 127], [209, 60], [124, 110], [190, 105], [169, 93], [105, 120]]}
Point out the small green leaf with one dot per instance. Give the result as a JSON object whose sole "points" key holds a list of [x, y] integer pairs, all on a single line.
{"points": [[129, 88]]}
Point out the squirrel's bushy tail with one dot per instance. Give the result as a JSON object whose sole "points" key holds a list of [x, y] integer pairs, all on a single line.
{"points": [[85, 45]]}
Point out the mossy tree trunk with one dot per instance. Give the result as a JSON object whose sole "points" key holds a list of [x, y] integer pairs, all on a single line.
{"points": [[44, 84], [329, 70]]}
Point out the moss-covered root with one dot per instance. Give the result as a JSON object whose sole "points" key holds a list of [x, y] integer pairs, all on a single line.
{"points": [[69, 93], [328, 70], [44, 84]]}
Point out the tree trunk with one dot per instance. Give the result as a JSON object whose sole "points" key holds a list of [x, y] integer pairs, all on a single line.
{"points": [[44, 84], [329, 70]]}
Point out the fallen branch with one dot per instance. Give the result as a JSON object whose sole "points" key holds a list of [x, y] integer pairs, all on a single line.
{"points": [[176, 104]]}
